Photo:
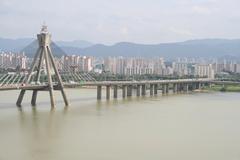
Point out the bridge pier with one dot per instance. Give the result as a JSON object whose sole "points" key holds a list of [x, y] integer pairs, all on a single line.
{"points": [[175, 88], [99, 92], [143, 90], [129, 90], [138, 90], [151, 89], [185, 87], [164, 88], [115, 91], [167, 88], [155, 89], [20, 97], [108, 87], [34, 97], [181, 87], [193, 86], [123, 91]]}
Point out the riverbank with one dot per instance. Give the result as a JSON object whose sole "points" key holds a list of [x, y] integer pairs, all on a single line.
{"points": [[223, 88]]}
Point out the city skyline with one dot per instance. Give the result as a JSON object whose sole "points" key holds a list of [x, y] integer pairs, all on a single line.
{"points": [[109, 22]]}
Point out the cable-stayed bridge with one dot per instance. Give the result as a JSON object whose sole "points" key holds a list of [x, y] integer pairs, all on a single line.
{"points": [[44, 75]]}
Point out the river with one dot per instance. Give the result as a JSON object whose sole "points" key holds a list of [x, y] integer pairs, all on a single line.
{"points": [[196, 126]]}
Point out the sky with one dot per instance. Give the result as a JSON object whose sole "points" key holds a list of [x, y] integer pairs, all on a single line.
{"points": [[111, 21]]}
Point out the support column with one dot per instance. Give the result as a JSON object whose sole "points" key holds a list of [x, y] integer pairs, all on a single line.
{"points": [[49, 75], [151, 89], [34, 94], [108, 92], [27, 79], [186, 87], [20, 98], [164, 88], [175, 88], [167, 88], [60, 83], [155, 88], [203, 85], [115, 91], [180, 87], [129, 90], [143, 90], [199, 85], [193, 86], [123, 91], [34, 97], [138, 90], [99, 92]]}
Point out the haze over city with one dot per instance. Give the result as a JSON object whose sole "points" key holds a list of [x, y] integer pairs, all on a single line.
{"points": [[111, 21]]}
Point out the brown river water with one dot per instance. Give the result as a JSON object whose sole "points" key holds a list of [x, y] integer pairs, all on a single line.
{"points": [[195, 126]]}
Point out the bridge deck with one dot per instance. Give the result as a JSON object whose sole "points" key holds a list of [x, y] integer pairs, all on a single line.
{"points": [[102, 83], [111, 83]]}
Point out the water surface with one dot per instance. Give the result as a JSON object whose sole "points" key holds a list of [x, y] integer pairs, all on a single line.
{"points": [[176, 127]]}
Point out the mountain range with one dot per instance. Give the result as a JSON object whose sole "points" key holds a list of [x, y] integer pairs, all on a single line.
{"points": [[191, 48]]}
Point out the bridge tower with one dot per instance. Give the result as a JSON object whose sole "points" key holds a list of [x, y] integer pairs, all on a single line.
{"points": [[42, 57]]}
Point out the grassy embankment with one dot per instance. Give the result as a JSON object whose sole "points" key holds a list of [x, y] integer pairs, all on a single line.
{"points": [[226, 88]]}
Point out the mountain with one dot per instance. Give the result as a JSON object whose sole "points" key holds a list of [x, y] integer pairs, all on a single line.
{"points": [[76, 43], [31, 49], [14, 45], [17, 45], [192, 48]]}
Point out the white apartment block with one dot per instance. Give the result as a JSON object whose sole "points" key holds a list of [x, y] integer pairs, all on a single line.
{"points": [[204, 70], [77, 63], [13, 60]]}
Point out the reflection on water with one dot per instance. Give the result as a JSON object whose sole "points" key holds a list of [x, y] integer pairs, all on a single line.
{"points": [[194, 126]]}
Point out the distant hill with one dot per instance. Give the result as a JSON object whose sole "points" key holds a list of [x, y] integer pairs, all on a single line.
{"points": [[192, 48], [76, 43], [14, 45], [31, 49], [29, 46]]}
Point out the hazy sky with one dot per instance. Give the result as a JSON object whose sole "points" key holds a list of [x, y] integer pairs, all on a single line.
{"points": [[110, 21]]}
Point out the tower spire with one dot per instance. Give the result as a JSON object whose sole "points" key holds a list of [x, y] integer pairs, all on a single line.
{"points": [[44, 28]]}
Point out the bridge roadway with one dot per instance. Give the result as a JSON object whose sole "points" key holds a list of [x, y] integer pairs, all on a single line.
{"points": [[112, 83], [178, 85], [101, 83]]}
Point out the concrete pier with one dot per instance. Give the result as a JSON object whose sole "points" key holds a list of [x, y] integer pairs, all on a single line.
{"points": [[143, 90], [151, 89], [124, 91], [138, 90], [193, 86], [186, 87], [180, 87], [175, 88], [115, 91], [129, 90], [162, 87], [34, 98], [167, 88], [155, 89], [99, 92], [108, 92]]}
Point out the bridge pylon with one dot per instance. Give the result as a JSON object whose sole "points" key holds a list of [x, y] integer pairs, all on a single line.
{"points": [[43, 57]]}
